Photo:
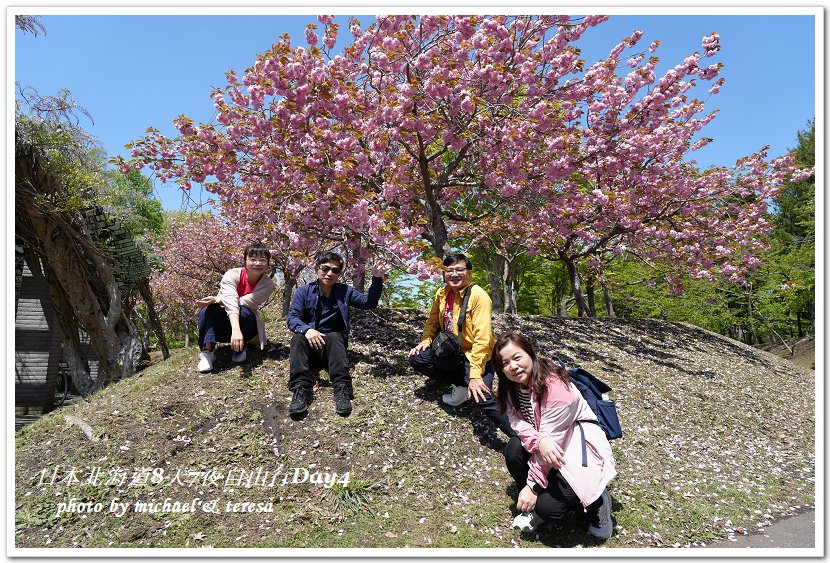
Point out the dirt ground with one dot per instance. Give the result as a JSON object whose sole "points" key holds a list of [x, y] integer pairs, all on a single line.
{"points": [[802, 353]]}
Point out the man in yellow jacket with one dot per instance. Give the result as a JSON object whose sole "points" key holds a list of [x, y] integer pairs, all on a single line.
{"points": [[473, 379]]}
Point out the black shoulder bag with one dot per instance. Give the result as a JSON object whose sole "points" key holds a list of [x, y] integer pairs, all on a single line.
{"points": [[446, 349]]}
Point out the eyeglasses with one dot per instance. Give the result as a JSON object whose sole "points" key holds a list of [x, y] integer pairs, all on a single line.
{"points": [[333, 269], [455, 270], [255, 260]]}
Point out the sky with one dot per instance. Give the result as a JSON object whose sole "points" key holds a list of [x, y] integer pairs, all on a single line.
{"points": [[131, 72]]}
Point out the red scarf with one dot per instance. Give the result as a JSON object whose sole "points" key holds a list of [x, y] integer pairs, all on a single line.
{"points": [[449, 325], [243, 287]]}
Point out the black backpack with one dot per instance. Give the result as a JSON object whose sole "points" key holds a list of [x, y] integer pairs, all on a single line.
{"points": [[446, 349]]}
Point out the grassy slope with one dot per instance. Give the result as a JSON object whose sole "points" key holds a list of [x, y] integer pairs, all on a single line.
{"points": [[719, 439], [801, 352]]}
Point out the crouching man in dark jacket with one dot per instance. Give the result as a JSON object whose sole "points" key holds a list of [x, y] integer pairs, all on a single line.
{"points": [[319, 318]]}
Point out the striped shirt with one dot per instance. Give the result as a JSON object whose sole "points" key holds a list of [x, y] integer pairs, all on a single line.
{"points": [[526, 407]]}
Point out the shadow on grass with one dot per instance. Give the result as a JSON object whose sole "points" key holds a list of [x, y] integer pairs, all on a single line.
{"points": [[483, 429], [655, 341]]}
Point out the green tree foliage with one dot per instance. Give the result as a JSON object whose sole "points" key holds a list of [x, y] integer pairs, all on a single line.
{"points": [[790, 268], [543, 287], [776, 304], [795, 218], [128, 198], [638, 294], [404, 290]]}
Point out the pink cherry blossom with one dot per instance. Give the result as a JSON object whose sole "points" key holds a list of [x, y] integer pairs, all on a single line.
{"points": [[427, 129]]}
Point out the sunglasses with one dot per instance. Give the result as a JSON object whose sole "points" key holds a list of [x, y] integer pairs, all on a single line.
{"points": [[333, 269]]}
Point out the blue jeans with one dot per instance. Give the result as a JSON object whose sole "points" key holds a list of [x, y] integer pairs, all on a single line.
{"points": [[422, 363], [215, 325]]}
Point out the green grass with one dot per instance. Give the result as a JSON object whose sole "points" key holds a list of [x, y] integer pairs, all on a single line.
{"points": [[700, 458]]}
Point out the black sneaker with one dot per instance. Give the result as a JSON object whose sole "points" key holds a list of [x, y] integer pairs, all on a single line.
{"points": [[299, 404], [342, 403], [601, 525]]}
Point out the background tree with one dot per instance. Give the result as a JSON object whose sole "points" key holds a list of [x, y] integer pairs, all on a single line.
{"points": [[59, 176], [53, 179], [773, 305], [128, 198], [194, 251], [792, 260]]}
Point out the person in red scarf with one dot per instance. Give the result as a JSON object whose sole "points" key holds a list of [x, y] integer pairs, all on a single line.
{"points": [[474, 378], [232, 315]]}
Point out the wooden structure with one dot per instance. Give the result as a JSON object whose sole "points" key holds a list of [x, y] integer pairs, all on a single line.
{"points": [[38, 341], [38, 338]]}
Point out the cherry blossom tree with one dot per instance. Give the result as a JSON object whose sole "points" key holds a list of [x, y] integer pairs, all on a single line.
{"points": [[630, 187], [381, 146], [193, 256], [425, 128]]}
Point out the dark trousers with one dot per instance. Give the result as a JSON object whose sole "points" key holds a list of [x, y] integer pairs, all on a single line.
{"points": [[215, 325], [332, 357], [422, 363], [556, 503]]}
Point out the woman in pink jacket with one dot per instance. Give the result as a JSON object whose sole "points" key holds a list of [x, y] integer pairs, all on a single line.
{"points": [[561, 460]]}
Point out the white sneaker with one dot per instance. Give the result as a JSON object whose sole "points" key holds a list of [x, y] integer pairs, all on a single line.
{"points": [[456, 397], [240, 356], [527, 522], [206, 360]]}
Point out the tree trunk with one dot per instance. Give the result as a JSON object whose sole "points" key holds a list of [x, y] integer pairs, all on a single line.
{"points": [[798, 323], [753, 335], [436, 232], [95, 306], [359, 281], [76, 360], [560, 297], [287, 294], [186, 334], [573, 275], [144, 333], [589, 289], [290, 278], [91, 301], [609, 305], [152, 315], [509, 284], [439, 237], [564, 303], [494, 269]]}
